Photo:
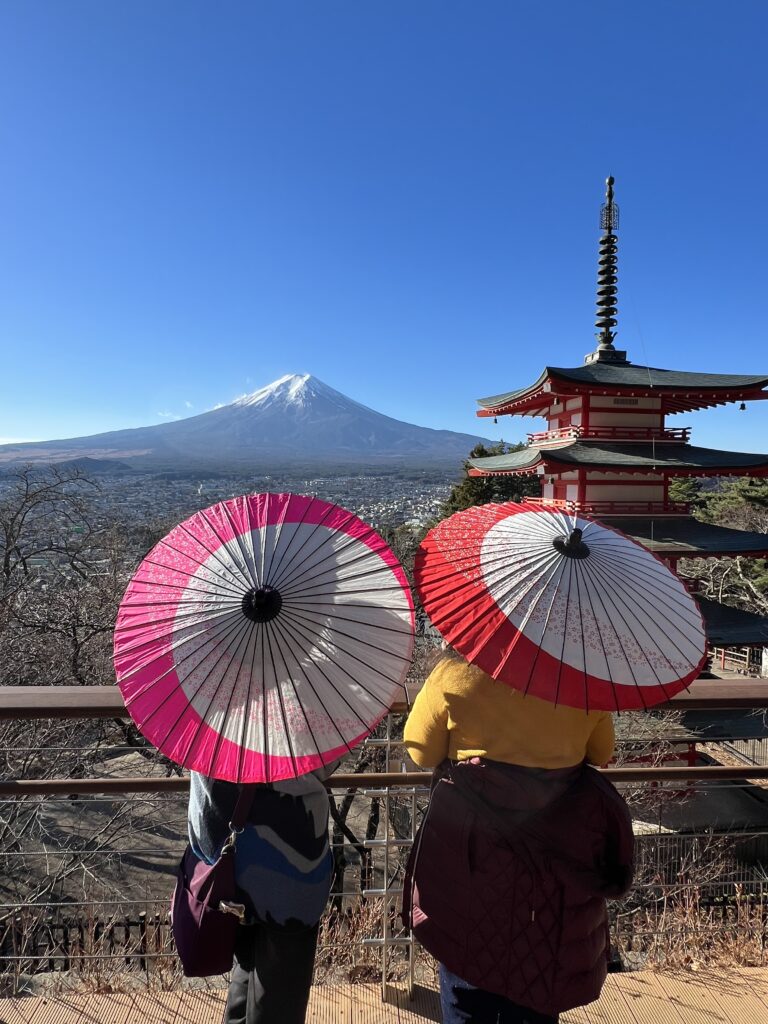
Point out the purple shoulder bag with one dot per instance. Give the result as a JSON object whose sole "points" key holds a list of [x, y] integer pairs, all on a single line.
{"points": [[205, 907]]}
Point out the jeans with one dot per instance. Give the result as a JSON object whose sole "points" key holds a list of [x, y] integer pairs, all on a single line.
{"points": [[272, 974], [462, 1003]]}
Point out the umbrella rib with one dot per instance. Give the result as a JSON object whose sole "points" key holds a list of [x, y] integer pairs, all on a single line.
{"points": [[332, 573], [596, 620], [522, 559], [173, 619], [589, 570], [205, 599], [640, 558], [491, 555], [500, 581], [301, 617], [619, 598], [215, 631], [174, 668], [247, 506], [204, 716], [672, 587], [306, 611], [251, 572], [331, 586], [284, 566], [675, 608], [266, 572], [583, 642], [319, 667], [279, 692], [130, 648], [183, 587], [190, 575], [255, 638], [310, 634], [282, 649], [298, 578], [246, 634], [351, 604], [265, 707], [262, 537], [561, 564], [252, 642], [348, 593], [650, 568], [557, 564], [529, 566], [315, 642], [214, 554], [568, 589], [296, 574]]}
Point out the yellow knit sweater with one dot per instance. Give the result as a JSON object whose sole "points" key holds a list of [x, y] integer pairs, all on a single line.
{"points": [[461, 712]]}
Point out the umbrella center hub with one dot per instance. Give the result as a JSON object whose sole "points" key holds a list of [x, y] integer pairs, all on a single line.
{"points": [[261, 604], [573, 546]]}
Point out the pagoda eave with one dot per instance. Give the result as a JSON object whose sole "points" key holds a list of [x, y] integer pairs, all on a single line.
{"points": [[672, 402], [543, 468], [679, 391], [626, 458], [732, 627], [686, 537]]}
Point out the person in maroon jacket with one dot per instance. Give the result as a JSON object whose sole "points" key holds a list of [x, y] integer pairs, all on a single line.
{"points": [[507, 881]]}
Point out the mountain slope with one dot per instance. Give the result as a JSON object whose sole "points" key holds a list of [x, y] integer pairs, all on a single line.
{"points": [[295, 420]]}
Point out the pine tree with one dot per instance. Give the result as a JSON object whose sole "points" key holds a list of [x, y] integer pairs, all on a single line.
{"points": [[480, 490]]}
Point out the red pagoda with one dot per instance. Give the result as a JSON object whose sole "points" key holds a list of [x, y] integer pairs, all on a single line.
{"points": [[607, 449]]}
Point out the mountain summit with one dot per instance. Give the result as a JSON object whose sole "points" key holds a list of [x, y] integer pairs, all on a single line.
{"points": [[296, 420]]}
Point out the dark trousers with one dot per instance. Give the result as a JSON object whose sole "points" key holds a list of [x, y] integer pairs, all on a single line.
{"points": [[462, 1003], [272, 974]]}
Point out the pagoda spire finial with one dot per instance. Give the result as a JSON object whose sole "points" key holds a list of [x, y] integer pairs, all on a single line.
{"points": [[606, 282]]}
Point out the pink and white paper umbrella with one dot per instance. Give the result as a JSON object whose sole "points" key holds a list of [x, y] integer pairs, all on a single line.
{"points": [[560, 607], [264, 637]]}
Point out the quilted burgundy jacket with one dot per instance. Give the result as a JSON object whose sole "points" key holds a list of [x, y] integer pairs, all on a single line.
{"points": [[507, 880]]}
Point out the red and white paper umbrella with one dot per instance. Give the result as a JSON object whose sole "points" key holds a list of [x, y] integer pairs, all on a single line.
{"points": [[264, 637], [560, 607]]}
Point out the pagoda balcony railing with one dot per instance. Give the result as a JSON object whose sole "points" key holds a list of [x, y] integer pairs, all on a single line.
{"points": [[616, 508], [681, 435]]}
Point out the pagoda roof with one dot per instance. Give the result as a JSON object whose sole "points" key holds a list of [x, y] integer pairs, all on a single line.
{"points": [[679, 458], [732, 627], [681, 390], [689, 538]]}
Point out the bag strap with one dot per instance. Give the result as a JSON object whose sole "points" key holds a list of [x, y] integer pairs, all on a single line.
{"points": [[240, 814], [243, 806]]}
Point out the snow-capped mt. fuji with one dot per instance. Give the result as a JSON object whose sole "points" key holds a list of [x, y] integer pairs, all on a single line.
{"points": [[298, 390], [294, 420]]}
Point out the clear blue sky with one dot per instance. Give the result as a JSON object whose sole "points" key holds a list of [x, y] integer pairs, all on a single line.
{"points": [[400, 198]]}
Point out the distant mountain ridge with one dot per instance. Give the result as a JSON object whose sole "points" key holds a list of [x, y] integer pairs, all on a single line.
{"points": [[294, 420]]}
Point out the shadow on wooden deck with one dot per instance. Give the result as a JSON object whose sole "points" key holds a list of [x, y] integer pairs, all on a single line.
{"points": [[733, 996]]}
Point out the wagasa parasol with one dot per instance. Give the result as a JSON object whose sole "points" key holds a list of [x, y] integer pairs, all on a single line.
{"points": [[264, 637]]}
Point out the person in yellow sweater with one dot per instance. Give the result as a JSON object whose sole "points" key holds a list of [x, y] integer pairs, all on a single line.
{"points": [[461, 713], [521, 844]]}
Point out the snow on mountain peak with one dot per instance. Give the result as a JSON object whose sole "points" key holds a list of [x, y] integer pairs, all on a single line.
{"points": [[292, 389]]}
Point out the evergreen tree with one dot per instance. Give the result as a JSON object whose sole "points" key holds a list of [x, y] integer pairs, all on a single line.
{"points": [[688, 489], [480, 490]]}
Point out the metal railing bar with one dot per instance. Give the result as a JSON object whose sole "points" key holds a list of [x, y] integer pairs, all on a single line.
{"points": [[370, 781]]}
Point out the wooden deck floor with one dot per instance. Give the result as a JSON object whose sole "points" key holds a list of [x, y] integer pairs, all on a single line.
{"points": [[728, 997]]}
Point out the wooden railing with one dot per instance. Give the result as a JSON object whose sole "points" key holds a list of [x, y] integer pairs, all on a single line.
{"points": [[615, 508], [33, 702], [680, 435]]}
